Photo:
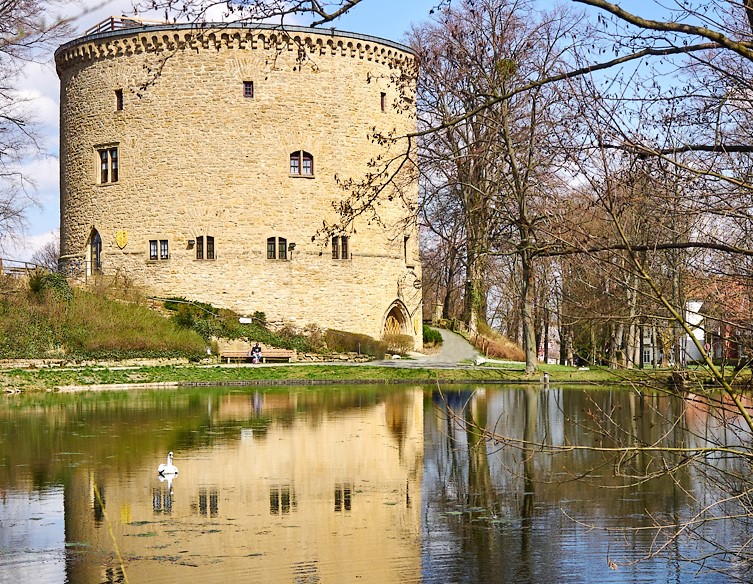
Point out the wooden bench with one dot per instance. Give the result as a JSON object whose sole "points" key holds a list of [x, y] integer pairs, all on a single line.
{"points": [[267, 353]]}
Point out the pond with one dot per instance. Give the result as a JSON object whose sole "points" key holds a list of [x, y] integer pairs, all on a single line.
{"points": [[357, 484]]}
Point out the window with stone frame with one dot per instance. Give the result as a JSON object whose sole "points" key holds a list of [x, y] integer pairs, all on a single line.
{"points": [[108, 165], [119, 100], [301, 163], [248, 89], [159, 249], [205, 247], [277, 248], [340, 247]]}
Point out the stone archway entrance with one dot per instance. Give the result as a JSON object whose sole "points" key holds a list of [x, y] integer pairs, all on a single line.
{"points": [[397, 321]]}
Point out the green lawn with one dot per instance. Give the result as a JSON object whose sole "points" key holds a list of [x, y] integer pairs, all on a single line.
{"points": [[50, 378]]}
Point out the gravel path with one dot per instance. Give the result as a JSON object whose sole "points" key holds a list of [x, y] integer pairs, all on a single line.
{"points": [[455, 349]]}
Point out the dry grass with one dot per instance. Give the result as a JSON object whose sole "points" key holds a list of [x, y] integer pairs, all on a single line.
{"points": [[497, 346]]}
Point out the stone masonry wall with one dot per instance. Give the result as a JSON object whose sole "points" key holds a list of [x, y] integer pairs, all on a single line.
{"points": [[197, 158]]}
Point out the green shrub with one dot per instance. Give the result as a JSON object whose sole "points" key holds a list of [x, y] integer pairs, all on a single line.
{"points": [[345, 342], [432, 337], [41, 282], [210, 322], [176, 302], [399, 343]]}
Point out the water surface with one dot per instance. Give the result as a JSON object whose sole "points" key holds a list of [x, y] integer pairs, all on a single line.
{"points": [[344, 484]]}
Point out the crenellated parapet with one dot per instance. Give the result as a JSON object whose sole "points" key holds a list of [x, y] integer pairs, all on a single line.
{"points": [[163, 38]]}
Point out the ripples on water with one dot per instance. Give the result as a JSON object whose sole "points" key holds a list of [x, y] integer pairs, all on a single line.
{"points": [[334, 485]]}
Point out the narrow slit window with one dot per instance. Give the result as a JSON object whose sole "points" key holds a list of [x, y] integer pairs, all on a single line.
{"points": [[119, 99], [336, 247], [200, 247], [163, 250], [308, 163], [383, 101]]}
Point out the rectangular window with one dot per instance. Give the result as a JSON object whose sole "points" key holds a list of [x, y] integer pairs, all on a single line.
{"points": [[277, 248], [340, 247], [295, 167], [158, 249], [119, 100], [248, 89], [108, 165], [209, 249], [200, 247], [384, 101]]}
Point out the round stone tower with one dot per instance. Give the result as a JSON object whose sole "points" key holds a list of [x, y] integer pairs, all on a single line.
{"points": [[205, 163]]}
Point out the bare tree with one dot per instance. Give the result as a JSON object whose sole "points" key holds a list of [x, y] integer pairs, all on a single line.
{"points": [[320, 11], [487, 143], [26, 33], [48, 255]]}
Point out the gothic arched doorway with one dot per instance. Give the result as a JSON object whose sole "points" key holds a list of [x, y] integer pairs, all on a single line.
{"points": [[94, 254], [397, 321]]}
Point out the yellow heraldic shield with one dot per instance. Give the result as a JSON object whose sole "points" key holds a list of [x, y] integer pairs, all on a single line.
{"points": [[121, 239]]}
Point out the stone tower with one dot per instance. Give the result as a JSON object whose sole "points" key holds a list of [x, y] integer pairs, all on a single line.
{"points": [[204, 163]]}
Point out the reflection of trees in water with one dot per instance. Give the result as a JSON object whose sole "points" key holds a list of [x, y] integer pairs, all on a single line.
{"points": [[653, 473]]}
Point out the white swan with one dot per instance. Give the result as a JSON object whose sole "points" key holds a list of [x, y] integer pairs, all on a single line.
{"points": [[169, 468]]}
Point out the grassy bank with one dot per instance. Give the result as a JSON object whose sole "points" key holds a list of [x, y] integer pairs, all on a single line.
{"points": [[46, 379]]}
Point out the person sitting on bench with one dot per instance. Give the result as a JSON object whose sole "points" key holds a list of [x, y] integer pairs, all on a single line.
{"points": [[255, 354]]}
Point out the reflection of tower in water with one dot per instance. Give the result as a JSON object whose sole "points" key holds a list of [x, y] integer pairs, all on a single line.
{"points": [[208, 500], [162, 498]]}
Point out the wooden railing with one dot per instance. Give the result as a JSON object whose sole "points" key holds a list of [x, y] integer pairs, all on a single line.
{"points": [[120, 23]]}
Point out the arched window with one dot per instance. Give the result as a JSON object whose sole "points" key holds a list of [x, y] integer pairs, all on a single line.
{"points": [[301, 163], [95, 252]]}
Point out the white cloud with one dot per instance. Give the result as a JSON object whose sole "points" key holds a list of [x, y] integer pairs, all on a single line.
{"points": [[46, 177], [22, 248]]}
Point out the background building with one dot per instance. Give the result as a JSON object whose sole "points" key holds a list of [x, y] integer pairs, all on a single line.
{"points": [[205, 163]]}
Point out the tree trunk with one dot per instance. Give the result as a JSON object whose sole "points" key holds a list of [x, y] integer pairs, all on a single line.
{"points": [[527, 315]]}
